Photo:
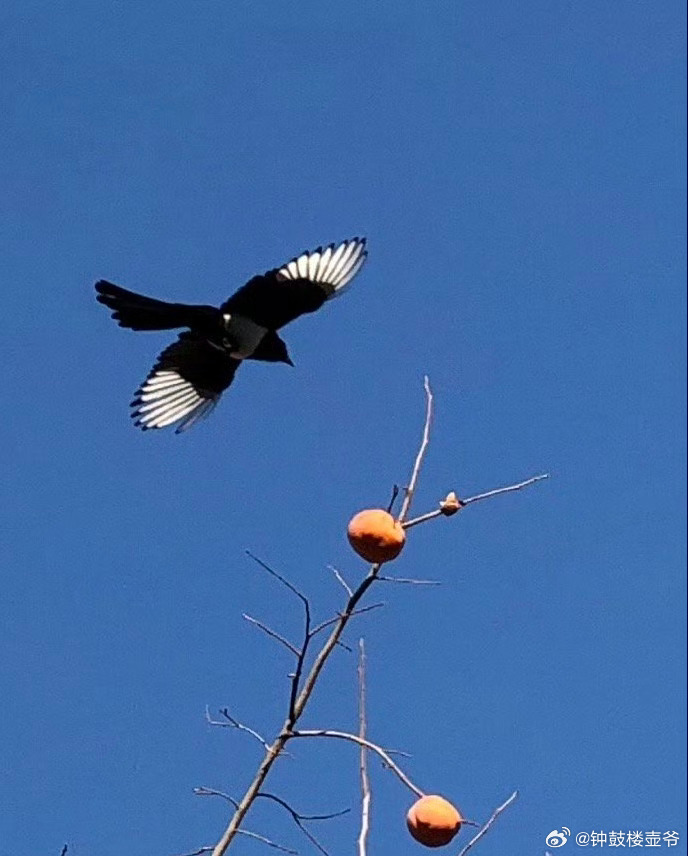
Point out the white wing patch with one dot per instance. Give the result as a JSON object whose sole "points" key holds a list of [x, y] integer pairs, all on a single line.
{"points": [[166, 397], [333, 266]]}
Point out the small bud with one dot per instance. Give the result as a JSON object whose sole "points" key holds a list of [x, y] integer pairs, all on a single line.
{"points": [[450, 504]]}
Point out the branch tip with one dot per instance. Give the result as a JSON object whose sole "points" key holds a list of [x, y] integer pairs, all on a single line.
{"points": [[485, 827], [408, 497]]}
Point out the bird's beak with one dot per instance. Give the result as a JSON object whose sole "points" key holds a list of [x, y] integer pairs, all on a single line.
{"points": [[289, 362]]}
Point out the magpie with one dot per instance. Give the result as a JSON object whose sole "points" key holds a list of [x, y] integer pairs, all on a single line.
{"points": [[191, 374]]}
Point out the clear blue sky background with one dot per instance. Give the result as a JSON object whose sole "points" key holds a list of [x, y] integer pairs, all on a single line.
{"points": [[518, 170]]}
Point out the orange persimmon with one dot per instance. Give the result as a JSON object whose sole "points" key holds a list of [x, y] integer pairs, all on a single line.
{"points": [[375, 535], [433, 821]]}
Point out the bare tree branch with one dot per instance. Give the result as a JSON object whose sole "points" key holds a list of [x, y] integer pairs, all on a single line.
{"points": [[300, 660], [300, 818], [408, 496], [296, 816], [234, 723], [362, 728], [247, 834], [423, 518], [330, 816], [395, 494], [439, 512], [354, 738], [485, 827], [272, 633], [340, 579], [64, 850], [410, 582], [211, 792], [399, 752], [508, 489], [299, 653], [273, 573], [198, 852], [331, 621], [268, 841]]}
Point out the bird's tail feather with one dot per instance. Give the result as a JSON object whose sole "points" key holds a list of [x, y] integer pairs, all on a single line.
{"points": [[145, 313]]}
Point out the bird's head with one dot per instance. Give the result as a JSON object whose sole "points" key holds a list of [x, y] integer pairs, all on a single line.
{"points": [[272, 349], [279, 352]]}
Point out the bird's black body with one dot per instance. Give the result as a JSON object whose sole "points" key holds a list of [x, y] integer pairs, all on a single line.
{"points": [[190, 374]]}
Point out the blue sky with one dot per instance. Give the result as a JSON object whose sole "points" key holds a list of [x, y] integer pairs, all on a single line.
{"points": [[518, 170]]}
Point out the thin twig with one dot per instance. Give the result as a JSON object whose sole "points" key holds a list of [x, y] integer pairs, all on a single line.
{"points": [[484, 828], [354, 738], [438, 512], [410, 582], [330, 816], [247, 834], [211, 792], [340, 579], [331, 621], [395, 494], [422, 518], [362, 728], [300, 660], [300, 818], [508, 489], [234, 723], [398, 752], [408, 496], [267, 841], [273, 573], [198, 852], [272, 633], [64, 850]]}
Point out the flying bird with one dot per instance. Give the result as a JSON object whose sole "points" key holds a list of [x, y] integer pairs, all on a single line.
{"points": [[191, 374]]}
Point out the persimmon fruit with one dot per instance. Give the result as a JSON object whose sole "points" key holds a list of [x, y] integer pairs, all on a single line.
{"points": [[433, 821], [375, 535]]}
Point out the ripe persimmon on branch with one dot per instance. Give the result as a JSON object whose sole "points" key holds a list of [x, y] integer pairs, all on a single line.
{"points": [[379, 537]]}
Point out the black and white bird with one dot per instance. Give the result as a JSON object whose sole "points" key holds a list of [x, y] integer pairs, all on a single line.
{"points": [[191, 374]]}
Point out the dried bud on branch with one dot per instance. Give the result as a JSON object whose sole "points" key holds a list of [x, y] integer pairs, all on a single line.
{"points": [[450, 504]]}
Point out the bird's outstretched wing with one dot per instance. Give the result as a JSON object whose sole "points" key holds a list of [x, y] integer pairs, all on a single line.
{"points": [[184, 385], [300, 286]]}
